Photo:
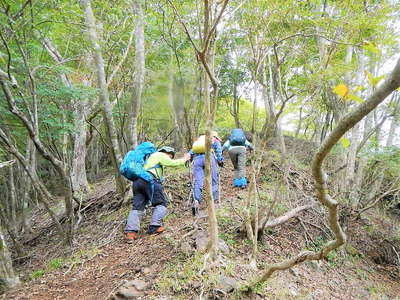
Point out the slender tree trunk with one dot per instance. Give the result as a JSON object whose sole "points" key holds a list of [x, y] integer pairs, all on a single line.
{"points": [[112, 139], [355, 195], [8, 278], [354, 142], [79, 181], [13, 202], [138, 80], [236, 107], [78, 173], [171, 96], [212, 246], [299, 125], [394, 124]]}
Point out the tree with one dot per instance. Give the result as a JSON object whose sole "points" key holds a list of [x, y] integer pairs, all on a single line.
{"points": [[8, 278], [138, 82], [112, 142], [391, 83], [205, 55]]}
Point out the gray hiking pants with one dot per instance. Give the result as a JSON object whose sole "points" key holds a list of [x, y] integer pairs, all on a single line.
{"points": [[144, 193], [238, 158], [134, 217]]}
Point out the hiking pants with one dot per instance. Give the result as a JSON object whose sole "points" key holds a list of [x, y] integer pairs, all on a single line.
{"points": [[144, 193], [198, 177], [238, 158]]}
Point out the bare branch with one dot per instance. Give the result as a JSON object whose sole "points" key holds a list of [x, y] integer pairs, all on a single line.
{"points": [[214, 27], [287, 216], [184, 27], [123, 58], [7, 163]]}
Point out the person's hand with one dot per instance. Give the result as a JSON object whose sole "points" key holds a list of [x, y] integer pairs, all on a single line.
{"points": [[186, 157], [187, 163]]}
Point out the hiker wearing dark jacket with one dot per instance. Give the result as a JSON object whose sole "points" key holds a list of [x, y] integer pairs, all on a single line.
{"points": [[237, 144], [153, 192], [198, 170]]}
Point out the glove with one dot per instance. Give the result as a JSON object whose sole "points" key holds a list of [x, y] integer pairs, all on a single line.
{"points": [[221, 164]]}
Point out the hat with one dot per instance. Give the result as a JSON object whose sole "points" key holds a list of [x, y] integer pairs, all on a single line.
{"points": [[167, 149]]}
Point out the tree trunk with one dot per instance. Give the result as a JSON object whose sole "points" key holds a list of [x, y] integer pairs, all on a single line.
{"points": [[13, 202], [104, 95], [349, 180], [138, 81], [79, 181], [394, 124], [8, 278], [236, 107]]}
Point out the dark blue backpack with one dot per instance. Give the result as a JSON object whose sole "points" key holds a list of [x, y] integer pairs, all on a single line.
{"points": [[132, 166], [237, 137]]}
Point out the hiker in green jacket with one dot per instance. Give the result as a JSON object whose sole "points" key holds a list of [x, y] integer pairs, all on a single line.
{"points": [[145, 192]]}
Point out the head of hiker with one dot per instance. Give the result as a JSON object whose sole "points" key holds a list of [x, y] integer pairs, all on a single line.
{"points": [[215, 136], [148, 167], [169, 150]]}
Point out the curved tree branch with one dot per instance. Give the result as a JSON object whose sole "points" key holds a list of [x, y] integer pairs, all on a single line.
{"points": [[391, 83]]}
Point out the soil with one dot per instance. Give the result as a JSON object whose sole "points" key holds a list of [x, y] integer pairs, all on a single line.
{"points": [[100, 261]]}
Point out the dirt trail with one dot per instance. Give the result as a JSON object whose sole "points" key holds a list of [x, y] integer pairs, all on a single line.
{"points": [[99, 271]]}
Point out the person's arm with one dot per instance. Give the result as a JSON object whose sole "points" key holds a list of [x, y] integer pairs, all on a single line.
{"points": [[167, 161], [226, 146], [218, 151], [249, 145]]}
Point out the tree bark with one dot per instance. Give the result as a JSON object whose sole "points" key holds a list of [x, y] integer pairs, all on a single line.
{"points": [[138, 80], [8, 278], [104, 95], [394, 124]]}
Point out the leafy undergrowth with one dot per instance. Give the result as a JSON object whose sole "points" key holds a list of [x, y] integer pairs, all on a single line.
{"points": [[99, 261]]}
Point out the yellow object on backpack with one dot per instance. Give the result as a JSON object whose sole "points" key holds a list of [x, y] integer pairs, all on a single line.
{"points": [[199, 146]]}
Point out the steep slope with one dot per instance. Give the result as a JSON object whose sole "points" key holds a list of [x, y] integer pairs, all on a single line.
{"points": [[101, 262]]}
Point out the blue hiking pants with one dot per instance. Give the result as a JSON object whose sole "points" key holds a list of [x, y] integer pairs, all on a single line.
{"points": [[198, 177]]}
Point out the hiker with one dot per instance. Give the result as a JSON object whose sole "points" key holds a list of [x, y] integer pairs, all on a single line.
{"points": [[237, 145], [153, 192], [198, 157]]}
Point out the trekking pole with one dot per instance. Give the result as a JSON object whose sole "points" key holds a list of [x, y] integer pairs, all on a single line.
{"points": [[191, 199], [162, 142]]}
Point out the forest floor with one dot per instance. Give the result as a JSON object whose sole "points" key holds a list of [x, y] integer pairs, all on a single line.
{"points": [[100, 261]]}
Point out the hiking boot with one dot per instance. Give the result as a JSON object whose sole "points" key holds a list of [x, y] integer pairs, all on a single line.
{"points": [[153, 229], [237, 182], [131, 236]]}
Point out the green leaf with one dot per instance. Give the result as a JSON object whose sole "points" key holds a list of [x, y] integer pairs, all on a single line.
{"points": [[373, 80], [355, 98], [371, 47], [345, 142]]}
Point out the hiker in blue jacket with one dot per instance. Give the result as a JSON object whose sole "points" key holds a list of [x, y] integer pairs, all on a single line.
{"points": [[145, 192], [217, 160], [237, 145]]}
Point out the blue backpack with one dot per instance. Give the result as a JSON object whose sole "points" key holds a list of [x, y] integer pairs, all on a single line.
{"points": [[237, 137], [132, 166]]}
